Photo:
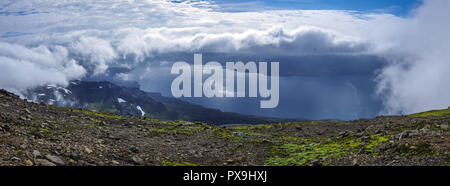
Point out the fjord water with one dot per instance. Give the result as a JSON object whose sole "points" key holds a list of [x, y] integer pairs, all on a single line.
{"points": [[311, 87]]}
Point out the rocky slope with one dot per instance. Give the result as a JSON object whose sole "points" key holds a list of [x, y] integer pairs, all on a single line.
{"points": [[39, 134]]}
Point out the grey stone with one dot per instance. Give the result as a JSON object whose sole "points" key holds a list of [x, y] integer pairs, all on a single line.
{"points": [[44, 162], [407, 133], [16, 159], [55, 159], [114, 162], [315, 163], [36, 153], [136, 160], [355, 162], [343, 134]]}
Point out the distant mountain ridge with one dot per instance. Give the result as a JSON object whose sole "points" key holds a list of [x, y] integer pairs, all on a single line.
{"points": [[131, 101]]}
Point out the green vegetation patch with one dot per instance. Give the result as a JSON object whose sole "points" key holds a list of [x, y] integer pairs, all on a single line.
{"points": [[315, 149], [98, 114], [375, 141], [182, 163], [432, 113], [187, 130], [224, 133], [421, 149]]}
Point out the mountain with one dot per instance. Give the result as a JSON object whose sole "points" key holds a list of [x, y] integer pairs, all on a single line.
{"points": [[131, 101], [47, 135]]}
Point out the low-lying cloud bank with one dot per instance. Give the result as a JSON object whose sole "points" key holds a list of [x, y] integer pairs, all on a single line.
{"points": [[22, 67], [418, 78], [53, 42]]}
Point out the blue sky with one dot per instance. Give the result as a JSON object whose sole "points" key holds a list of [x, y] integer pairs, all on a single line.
{"points": [[397, 7]]}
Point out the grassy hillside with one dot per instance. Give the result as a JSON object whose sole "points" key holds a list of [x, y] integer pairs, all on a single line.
{"points": [[443, 112]]}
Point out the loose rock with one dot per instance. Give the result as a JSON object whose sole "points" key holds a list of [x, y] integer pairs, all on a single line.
{"points": [[55, 159], [136, 160]]}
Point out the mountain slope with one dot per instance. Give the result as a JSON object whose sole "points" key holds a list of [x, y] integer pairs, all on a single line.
{"points": [[39, 134], [192, 112], [130, 101]]}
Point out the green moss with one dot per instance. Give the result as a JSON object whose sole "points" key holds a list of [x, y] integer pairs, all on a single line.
{"points": [[294, 154], [304, 123], [421, 149], [224, 133], [58, 108], [303, 154], [95, 120], [255, 140], [98, 114], [375, 141], [317, 148], [92, 125], [188, 130], [432, 113], [254, 127], [46, 129], [290, 138], [169, 163]]}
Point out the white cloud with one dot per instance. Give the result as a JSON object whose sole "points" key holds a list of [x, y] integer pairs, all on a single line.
{"points": [[63, 40], [418, 78], [94, 53], [22, 67]]}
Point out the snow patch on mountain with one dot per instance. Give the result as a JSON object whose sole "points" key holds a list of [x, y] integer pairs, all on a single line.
{"points": [[120, 100], [140, 109]]}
